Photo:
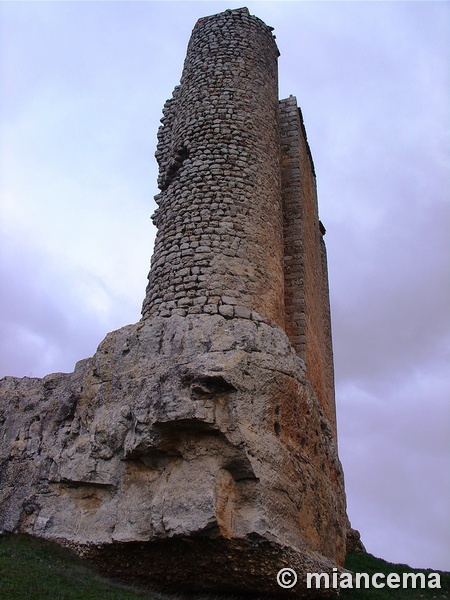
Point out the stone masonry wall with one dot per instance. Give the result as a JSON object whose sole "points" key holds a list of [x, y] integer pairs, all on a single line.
{"points": [[291, 176], [307, 305], [219, 247], [237, 217]]}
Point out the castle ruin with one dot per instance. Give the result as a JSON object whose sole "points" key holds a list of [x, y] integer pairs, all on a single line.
{"points": [[238, 227], [196, 450]]}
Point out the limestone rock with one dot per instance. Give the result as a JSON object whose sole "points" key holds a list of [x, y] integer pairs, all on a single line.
{"points": [[193, 430]]}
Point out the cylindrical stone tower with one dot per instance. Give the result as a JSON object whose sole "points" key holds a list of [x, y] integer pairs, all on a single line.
{"points": [[219, 246]]}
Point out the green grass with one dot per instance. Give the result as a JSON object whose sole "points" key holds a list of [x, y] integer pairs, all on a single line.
{"points": [[366, 563], [34, 569]]}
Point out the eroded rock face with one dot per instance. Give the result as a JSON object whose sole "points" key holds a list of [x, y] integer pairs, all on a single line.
{"points": [[197, 428]]}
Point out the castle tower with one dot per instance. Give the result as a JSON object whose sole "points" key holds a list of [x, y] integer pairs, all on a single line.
{"points": [[219, 247], [238, 227]]}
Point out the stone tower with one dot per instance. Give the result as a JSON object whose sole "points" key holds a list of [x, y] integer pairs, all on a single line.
{"points": [[219, 247], [196, 450], [238, 227]]}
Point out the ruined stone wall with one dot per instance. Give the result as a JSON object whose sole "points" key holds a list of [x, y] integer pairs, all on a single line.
{"points": [[238, 227], [291, 177], [307, 305], [219, 245]]}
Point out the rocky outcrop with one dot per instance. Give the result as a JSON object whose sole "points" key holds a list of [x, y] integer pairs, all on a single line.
{"points": [[196, 450], [354, 543], [180, 431]]}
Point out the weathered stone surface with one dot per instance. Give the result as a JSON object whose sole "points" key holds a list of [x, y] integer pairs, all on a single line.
{"points": [[219, 174], [196, 450], [195, 427], [354, 542]]}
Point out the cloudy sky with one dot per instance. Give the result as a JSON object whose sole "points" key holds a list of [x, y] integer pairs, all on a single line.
{"points": [[82, 88]]}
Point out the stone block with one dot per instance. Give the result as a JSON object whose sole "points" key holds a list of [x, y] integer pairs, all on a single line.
{"points": [[226, 310]]}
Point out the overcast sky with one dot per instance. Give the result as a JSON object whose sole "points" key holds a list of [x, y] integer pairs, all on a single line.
{"points": [[82, 89]]}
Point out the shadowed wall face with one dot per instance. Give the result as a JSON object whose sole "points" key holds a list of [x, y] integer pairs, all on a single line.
{"points": [[307, 304], [219, 247]]}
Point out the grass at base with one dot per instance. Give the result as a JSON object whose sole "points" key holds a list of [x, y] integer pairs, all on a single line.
{"points": [[35, 569]]}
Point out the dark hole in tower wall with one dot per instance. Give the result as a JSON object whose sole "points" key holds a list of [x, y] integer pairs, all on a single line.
{"points": [[174, 166]]}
